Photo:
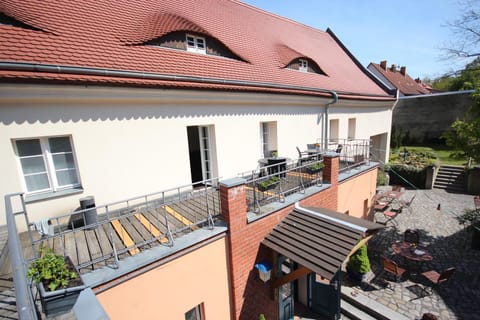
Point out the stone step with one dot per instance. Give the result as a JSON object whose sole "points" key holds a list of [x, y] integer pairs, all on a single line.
{"points": [[370, 307], [354, 313]]}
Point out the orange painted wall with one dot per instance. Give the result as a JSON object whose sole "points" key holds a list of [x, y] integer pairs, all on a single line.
{"points": [[353, 192], [172, 289]]}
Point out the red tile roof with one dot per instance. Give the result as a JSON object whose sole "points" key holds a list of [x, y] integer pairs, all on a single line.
{"points": [[111, 35], [401, 81]]}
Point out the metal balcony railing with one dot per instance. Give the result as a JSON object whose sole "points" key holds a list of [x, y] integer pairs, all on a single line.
{"points": [[285, 178], [125, 228], [25, 303]]}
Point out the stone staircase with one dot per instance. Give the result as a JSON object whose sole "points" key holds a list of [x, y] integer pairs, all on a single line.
{"points": [[451, 178]]}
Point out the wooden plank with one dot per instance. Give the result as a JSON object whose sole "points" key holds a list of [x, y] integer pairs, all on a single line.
{"points": [[124, 236], [93, 244], [82, 249], [70, 246], [180, 217], [135, 223], [150, 227], [119, 245], [104, 240], [156, 219]]}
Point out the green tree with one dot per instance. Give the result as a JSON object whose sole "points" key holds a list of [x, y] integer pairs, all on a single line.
{"points": [[465, 134]]}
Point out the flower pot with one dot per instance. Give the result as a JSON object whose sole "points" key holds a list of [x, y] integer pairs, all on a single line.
{"points": [[62, 300]]}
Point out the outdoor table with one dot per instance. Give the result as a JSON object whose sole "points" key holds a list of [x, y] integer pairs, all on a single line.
{"points": [[417, 254], [275, 164], [391, 195], [406, 250]]}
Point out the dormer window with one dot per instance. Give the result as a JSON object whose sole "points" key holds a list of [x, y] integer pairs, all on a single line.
{"points": [[303, 65], [196, 44]]}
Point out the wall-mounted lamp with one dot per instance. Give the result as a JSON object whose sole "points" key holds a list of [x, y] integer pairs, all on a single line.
{"points": [[264, 270]]}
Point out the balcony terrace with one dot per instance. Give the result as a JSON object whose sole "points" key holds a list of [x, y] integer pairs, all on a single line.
{"points": [[133, 227]]}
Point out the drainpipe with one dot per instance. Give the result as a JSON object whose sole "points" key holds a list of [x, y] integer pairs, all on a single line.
{"points": [[327, 107]]}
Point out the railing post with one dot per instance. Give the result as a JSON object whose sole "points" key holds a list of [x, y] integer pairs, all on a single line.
{"points": [[24, 300]]}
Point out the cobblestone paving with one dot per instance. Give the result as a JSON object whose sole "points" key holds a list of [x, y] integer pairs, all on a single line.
{"points": [[450, 245]]}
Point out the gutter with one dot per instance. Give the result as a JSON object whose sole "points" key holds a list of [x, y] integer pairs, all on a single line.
{"points": [[327, 107], [62, 69]]}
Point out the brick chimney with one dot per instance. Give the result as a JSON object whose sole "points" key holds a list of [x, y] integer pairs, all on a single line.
{"points": [[383, 65], [393, 68], [418, 80], [403, 71]]}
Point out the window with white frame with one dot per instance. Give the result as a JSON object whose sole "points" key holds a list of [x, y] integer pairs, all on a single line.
{"points": [[196, 44], [195, 314], [47, 164], [303, 65]]}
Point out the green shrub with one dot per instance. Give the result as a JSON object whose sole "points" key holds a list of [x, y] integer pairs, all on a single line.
{"points": [[262, 317], [359, 261]]}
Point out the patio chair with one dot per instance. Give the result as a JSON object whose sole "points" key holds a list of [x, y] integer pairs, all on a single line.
{"points": [[436, 279], [392, 268], [411, 236], [303, 156], [390, 216]]}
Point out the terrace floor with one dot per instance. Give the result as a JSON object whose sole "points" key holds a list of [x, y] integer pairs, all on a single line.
{"points": [[449, 244]]}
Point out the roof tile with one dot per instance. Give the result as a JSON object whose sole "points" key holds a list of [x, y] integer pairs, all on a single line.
{"points": [[96, 34]]}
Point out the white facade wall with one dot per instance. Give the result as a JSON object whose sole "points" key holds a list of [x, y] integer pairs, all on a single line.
{"points": [[130, 142]]}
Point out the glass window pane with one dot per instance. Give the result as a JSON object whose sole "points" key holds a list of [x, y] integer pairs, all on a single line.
{"points": [[63, 161], [192, 314], [33, 165], [60, 144], [67, 177], [28, 147], [200, 43], [37, 182]]}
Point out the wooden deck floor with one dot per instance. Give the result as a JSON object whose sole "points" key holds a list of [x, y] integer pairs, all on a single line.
{"points": [[125, 233]]}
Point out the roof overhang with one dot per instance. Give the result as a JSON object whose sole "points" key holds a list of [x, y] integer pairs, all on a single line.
{"points": [[319, 239]]}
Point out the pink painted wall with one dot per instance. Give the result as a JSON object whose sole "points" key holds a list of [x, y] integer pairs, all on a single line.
{"points": [[353, 192], [172, 289]]}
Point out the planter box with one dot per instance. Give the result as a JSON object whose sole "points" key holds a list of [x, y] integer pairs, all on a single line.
{"points": [[313, 170], [268, 186], [60, 301]]}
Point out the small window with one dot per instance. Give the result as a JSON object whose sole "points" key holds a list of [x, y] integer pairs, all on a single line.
{"points": [[195, 313], [48, 164], [303, 65], [196, 44]]}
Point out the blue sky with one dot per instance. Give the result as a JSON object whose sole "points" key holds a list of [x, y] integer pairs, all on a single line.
{"points": [[407, 33]]}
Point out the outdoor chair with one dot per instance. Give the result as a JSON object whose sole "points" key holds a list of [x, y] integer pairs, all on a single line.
{"points": [[437, 278], [411, 236], [392, 268], [303, 156], [339, 149], [390, 216]]}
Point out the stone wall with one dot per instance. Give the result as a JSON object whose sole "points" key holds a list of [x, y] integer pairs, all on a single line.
{"points": [[423, 119]]}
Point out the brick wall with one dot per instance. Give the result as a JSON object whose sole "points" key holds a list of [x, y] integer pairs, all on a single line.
{"points": [[250, 296]]}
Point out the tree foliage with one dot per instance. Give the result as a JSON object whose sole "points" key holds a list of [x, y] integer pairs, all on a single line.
{"points": [[467, 79], [465, 134]]}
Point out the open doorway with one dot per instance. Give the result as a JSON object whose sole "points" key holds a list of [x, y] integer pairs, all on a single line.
{"points": [[201, 153]]}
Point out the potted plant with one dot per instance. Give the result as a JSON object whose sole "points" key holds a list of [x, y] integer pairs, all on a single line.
{"points": [[268, 184], [314, 168], [358, 265], [58, 281]]}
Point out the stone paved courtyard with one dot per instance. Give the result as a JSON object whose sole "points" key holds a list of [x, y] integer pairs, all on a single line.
{"points": [[449, 244]]}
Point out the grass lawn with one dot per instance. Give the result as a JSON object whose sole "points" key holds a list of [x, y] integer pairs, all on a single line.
{"points": [[442, 152]]}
